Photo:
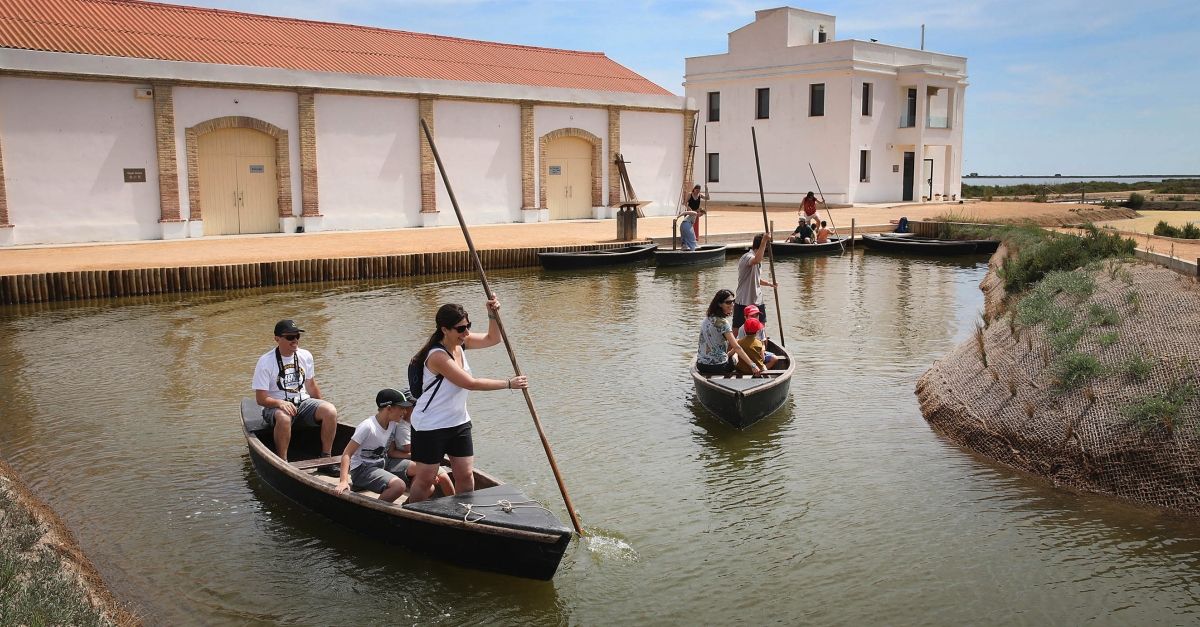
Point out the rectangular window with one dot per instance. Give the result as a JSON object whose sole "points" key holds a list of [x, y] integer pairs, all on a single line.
{"points": [[762, 103], [866, 99], [864, 166], [712, 170], [909, 118], [816, 99], [714, 106]]}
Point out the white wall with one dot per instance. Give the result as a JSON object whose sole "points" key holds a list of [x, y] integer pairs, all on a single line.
{"points": [[592, 120], [368, 162], [480, 145], [65, 145], [652, 144], [194, 105]]}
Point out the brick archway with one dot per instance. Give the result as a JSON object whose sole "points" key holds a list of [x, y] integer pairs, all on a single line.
{"points": [[597, 162], [282, 159]]}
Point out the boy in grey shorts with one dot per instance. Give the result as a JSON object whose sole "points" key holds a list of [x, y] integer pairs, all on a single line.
{"points": [[365, 462]]}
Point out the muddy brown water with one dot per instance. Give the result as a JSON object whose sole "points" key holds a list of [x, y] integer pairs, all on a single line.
{"points": [[841, 508]]}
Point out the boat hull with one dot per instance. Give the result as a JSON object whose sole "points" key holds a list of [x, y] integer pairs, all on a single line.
{"points": [[741, 400], [596, 258], [784, 249], [529, 544], [917, 246], [708, 253]]}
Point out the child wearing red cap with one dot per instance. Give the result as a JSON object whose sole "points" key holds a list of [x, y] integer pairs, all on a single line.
{"points": [[753, 346]]}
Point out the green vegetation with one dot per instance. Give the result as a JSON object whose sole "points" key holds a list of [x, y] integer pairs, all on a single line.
{"points": [[33, 587], [1138, 367], [1040, 253], [1108, 339], [1072, 370], [1173, 186], [1103, 315], [1162, 409], [1135, 201], [1189, 230]]}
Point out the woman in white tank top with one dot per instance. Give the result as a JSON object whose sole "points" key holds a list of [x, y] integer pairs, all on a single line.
{"points": [[440, 422]]}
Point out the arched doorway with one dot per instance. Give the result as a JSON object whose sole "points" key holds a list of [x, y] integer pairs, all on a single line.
{"points": [[239, 182], [568, 175]]}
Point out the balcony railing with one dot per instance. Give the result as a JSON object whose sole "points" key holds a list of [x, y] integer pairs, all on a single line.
{"points": [[937, 121]]}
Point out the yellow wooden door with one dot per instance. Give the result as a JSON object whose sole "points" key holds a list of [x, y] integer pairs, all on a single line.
{"points": [[238, 182], [569, 178]]}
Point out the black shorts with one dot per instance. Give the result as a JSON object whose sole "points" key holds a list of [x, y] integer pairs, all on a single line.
{"points": [[428, 447], [724, 367]]}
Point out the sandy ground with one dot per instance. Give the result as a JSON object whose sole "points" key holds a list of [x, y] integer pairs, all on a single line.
{"points": [[723, 220], [1145, 224]]}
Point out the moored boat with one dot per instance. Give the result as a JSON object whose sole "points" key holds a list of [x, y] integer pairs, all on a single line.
{"points": [[475, 529], [706, 253], [595, 258], [904, 243], [834, 245], [742, 400]]}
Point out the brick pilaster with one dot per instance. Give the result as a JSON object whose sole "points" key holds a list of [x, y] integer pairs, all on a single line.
{"points": [[614, 147], [4, 223], [308, 153], [528, 198], [164, 142], [428, 176]]}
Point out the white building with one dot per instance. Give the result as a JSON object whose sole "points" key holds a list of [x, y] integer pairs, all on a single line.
{"points": [[125, 120], [878, 123]]}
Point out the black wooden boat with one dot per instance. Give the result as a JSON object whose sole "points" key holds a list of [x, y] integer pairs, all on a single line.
{"points": [[527, 541], [905, 243], [742, 400], [595, 258], [834, 245], [706, 253]]}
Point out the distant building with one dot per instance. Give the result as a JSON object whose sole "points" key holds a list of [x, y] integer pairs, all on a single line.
{"points": [[879, 123], [126, 120]]}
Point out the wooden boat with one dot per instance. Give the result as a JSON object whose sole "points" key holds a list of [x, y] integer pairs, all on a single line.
{"points": [[706, 253], [834, 245], [742, 400], [527, 541], [595, 258], [906, 243]]}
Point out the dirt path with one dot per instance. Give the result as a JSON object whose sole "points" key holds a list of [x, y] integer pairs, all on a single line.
{"points": [[723, 220]]}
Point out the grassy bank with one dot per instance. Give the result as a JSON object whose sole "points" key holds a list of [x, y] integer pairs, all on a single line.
{"points": [[44, 578]]}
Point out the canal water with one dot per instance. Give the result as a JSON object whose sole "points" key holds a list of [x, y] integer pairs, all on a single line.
{"points": [[841, 508]]}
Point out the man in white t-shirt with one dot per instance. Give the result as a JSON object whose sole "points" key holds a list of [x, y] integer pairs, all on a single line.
{"points": [[285, 386], [366, 461]]}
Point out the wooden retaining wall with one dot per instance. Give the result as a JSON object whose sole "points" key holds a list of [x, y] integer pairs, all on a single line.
{"points": [[88, 284]]}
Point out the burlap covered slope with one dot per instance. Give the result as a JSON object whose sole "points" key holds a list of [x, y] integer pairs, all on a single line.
{"points": [[1011, 410]]}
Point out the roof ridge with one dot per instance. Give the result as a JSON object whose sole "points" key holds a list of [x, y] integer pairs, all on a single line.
{"points": [[275, 18]]}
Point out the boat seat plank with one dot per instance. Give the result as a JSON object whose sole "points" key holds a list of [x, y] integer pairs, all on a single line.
{"points": [[309, 464]]}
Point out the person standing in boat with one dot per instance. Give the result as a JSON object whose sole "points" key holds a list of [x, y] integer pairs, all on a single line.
{"points": [[717, 347], [808, 207], [749, 285], [441, 425], [285, 386], [693, 203], [688, 229]]}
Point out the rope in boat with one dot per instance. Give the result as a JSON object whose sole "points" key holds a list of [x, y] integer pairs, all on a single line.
{"points": [[504, 504]]}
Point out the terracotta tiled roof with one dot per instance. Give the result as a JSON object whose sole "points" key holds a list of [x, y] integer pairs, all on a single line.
{"points": [[146, 30]]}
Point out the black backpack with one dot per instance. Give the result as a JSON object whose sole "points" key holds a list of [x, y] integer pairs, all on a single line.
{"points": [[416, 376]]}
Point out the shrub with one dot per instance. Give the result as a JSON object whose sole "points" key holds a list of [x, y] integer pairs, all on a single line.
{"points": [[1059, 251], [1165, 230], [1175, 198], [1135, 201], [1074, 369], [1160, 409], [1138, 367], [1103, 315], [1108, 339], [1190, 231]]}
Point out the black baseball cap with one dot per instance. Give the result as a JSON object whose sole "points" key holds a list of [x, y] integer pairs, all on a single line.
{"points": [[287, 326], [391, 396]]}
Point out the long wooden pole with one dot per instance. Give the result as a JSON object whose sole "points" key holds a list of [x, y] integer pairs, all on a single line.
{"points": [[841, 244], [767, 232], [689, 165], [562, 487], [705, 182]]}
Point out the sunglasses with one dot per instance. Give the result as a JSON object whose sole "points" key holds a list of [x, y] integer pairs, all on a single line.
{"points": [[462, 328], [727, 302], [292, 337]]}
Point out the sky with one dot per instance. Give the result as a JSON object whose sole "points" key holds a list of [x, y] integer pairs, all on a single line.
{"points": [[1077, 87]]}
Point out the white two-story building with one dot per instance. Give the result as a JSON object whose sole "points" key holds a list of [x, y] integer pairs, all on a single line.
{"points": [[878, 123]]}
